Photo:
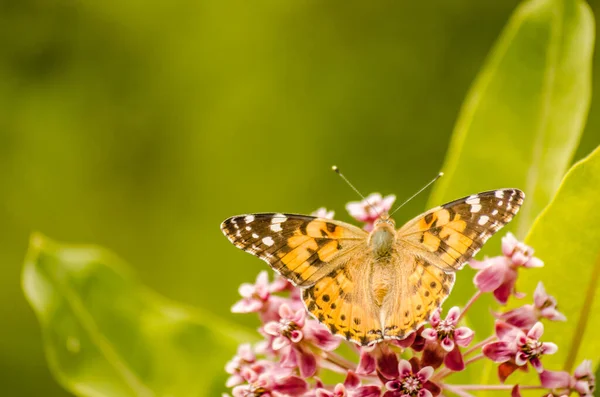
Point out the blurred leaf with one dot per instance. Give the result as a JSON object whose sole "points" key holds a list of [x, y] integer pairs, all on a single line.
{"points": [[107, 335], [522, 119], [567, 237]]}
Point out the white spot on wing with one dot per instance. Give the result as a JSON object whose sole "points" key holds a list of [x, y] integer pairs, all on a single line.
{"points": [[276, 227], [248, 228], [494, 212], [254, 235], [279, 218], [475, 208], [483, 220], [249, 218], [499, 193], [500, 203], [268, 241], [474, 199]]}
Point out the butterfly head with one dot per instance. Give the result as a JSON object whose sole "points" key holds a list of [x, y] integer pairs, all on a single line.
{"points": [[384, 220]]}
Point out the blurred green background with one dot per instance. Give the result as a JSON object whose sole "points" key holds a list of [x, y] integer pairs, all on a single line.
{"points": [[140, 126]]}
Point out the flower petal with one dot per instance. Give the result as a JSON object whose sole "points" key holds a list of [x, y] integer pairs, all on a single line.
{"points": [[435, 318], [424, 393], [279, 342], [367, 391], [453, 315], [404, 368], [555, 379], [366, 364], [387, 363], [549, 348], [454, 360], [272, 328], [507, 287], [429, 334], [536, 331], [505, 369], [534, 262], [491, 277], [499, 351], [285, 312], [540, 296], [247, 305], [584, 370], [425, 373], [292, 385], [447, 344], [463, 336], [352, 381], [521, 359], [515, 392], [307, 364], [537, 364], [393, 385]]}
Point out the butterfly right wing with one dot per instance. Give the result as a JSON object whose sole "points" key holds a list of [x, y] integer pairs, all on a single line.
{"points": [[301, 248], [449, 235], [343, 300]]}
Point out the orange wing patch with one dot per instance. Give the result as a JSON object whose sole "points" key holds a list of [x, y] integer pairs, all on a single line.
{"points": [[414, 298], [449, 235], [341, 302], [301, 248]]}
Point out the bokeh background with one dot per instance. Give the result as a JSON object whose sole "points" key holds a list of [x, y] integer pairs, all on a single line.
{"points": [[140, 126]]}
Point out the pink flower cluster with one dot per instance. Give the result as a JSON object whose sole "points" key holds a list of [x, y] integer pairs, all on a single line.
{"points": [[297, 353]]}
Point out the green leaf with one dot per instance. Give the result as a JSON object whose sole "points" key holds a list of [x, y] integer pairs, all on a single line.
{"points": [[107, 335], [566, 237], [522, 120]]}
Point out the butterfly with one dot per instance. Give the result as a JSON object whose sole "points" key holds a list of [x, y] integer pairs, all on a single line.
{"points": [[371, 286]]}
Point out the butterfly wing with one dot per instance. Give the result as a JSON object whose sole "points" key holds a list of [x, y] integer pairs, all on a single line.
{"points": [[418, 288], [449, 235], [432, 246], [343, 300], [301, 248]]}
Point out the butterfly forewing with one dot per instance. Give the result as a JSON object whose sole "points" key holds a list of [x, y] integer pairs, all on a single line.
{"points": [[301, 248], [449, 235]]}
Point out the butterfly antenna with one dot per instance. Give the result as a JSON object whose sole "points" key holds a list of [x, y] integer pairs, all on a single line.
{"points": [[417, 193], [337, 171]]}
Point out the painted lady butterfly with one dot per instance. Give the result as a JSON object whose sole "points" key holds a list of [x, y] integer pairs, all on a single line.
{"points": [[385, 284]]}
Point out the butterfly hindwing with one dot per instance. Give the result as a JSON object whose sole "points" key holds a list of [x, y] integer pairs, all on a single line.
{"points": [[301, 248], [342, 301], [449, 235], [419, 289]]}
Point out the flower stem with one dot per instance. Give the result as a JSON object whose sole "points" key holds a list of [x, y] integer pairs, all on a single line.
{"points": [[474, 358], [338, 360], [456, 390], [469, 304], [479, 345], [489, 387], [584, 315]]}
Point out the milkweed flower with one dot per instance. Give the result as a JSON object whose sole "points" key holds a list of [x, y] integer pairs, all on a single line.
{"points": [[369, 209], [582, 382], [351, 387], [323, 213], [449, 337], [499, 274], [516, 348], [526, 316], [411, 382]]}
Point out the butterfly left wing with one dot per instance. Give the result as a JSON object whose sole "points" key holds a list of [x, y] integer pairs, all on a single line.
{"points": [[449, 235], [301, 248]]}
